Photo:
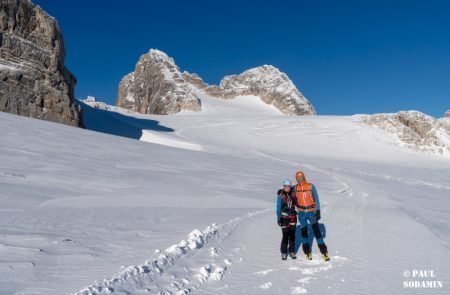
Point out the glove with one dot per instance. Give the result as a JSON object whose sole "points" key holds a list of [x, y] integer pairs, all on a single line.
{"points": [[318, 215], [279, 192], [279, 221]]}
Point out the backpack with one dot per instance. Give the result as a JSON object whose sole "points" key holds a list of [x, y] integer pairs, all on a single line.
{"points": [[305, 197]]}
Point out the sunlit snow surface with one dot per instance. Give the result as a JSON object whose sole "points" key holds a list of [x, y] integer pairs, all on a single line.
{"points": [[192, 211]]}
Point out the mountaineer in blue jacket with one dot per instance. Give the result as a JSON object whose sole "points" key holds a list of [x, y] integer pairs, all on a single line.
{"points": [[287, 219]]}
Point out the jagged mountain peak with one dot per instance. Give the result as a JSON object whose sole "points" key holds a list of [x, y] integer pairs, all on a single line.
{"points": [[156, 87], [267, 82], [271, 85], [159, 54]]}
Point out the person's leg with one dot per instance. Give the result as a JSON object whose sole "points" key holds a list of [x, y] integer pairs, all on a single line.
{"points": [[302, 218], [292, 229], [318, 234], [319, 238], [284, 240], [305, 243]]}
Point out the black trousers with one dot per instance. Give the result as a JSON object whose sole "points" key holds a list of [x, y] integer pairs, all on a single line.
{"points": [[288, 238]]}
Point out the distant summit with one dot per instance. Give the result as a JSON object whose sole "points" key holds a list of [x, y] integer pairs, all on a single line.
{"points": [[157, 87], [267, 82]]}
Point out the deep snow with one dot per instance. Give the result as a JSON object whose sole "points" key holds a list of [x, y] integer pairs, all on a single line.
{"points": [[87, 212]]}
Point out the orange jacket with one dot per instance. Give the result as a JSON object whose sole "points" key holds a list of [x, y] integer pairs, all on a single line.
{"points": [[307, 198]]}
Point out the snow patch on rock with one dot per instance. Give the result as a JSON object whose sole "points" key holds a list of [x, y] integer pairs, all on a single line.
{"points": [[414, 130], [267, 82], [156, 87]]}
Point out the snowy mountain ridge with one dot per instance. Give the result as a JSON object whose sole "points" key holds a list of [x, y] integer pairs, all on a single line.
{"points": [[267, 82], [414, 130], [158, 87]]}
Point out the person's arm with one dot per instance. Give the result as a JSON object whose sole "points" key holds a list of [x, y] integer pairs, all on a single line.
{"points": [[316, 197], [278, 207]]}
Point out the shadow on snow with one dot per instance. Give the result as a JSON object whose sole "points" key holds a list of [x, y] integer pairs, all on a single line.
{"points": [[299, 239], [118, 124]]}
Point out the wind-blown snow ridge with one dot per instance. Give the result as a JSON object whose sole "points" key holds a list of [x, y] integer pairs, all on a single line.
{"points": [[141, 275], [153, 267]]}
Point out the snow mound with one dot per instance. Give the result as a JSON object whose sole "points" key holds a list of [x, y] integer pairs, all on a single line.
{"points": [[101, 117]]}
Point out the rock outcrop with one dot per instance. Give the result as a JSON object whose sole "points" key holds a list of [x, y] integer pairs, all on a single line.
{"points": [[267, 82], [414, 130], [447, 114], [156, 87], [34, 80]]}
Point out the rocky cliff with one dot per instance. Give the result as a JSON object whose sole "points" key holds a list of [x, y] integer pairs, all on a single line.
{"points": [[414, 130], [34, 80], [267, 82], [157, 87]]}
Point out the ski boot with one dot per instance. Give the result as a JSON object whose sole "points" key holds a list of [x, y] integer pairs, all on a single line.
{"points": [[283, 256], [324, 251], [292, 255], [308, 256], [325, 257]]}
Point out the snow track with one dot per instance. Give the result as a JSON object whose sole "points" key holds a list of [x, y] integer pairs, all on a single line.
{"points": [[75, 215], [144, 277]]}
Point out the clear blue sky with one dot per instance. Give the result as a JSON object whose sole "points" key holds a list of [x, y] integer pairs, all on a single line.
{"points": [[346, 57]]}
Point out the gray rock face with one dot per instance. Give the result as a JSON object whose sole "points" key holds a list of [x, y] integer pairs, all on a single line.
{"points": [[447, 114], [414, 130], [267, 82], [195, 80], [34, 80], [126, 92], [156, 87]]}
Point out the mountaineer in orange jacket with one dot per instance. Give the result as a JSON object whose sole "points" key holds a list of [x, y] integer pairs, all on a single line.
{"points": [[308, 207]]}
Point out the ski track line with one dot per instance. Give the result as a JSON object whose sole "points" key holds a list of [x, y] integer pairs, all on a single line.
{"points": [[147, 273], [346, 187], [403, 180]]}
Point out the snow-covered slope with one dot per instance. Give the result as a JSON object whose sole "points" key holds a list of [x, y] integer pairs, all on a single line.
{"points": [[91, 213]]}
